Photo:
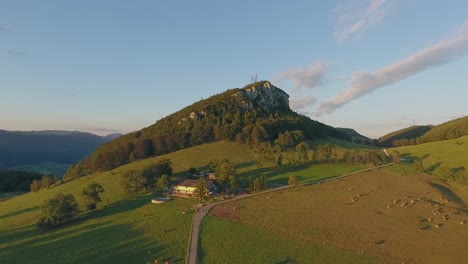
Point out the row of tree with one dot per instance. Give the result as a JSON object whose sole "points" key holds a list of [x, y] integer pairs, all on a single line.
{"points": [[45, 182]]}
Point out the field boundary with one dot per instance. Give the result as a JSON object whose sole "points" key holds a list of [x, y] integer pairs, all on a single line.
{"points": [[199, 215]]}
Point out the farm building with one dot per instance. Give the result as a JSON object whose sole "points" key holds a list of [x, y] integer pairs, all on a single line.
{"points": [[187, 188]]}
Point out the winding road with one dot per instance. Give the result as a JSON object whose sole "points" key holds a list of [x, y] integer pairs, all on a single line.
{"points": [[201, 213]]}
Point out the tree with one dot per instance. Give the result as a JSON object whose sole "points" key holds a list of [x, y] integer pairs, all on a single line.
{"points": [[192, 171], [302, 151], [279, 160], [200, 191], [396, 157], [47, 181], [155, 171], [293, 181], [35, 186], [226, 170], [213, 165], [133, 182], [348, 158], [57, 210], [162, 184], [91, 195]]}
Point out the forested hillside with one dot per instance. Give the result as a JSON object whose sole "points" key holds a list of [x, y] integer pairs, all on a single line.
{"points": [[403, 135], [424, 134], [448, 130], [256, 113]]}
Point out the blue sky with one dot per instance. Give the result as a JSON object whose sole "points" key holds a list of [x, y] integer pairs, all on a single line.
{"points": [[118, 66]]}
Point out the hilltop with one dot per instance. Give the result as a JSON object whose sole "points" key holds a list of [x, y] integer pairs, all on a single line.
{"points": [[251, 115]]}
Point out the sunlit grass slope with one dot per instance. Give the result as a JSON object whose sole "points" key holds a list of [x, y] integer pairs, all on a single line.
{"points": [[451, 153], [122, 231]]}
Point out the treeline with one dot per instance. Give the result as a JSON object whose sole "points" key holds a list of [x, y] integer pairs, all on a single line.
{"points": [[302, 153], [229, 116], [45, 182], [448, 130], [17, 181]]}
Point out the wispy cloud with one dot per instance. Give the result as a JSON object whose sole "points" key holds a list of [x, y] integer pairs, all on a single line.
{"points": [[354, 17], [365, 82], [17, 53], [301, 103], [311, 77]]}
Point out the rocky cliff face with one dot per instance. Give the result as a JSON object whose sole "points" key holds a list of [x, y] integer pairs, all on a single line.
{"points": [[264, 96], [260, 96]]}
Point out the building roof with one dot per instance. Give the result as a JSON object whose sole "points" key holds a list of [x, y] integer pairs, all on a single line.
{"points": [[193, 183]]}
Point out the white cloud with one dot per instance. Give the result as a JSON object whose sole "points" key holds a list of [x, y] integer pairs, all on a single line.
{"points": [[301, 103], [311, 77], [354, 17], [365, 82]]}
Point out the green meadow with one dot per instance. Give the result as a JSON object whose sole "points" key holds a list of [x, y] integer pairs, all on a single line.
{"points": [[124, 229], [246, 244], [451, 153]]}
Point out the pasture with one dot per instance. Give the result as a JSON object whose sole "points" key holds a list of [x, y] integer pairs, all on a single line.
{"points": [[395, 218], [122, 229], [451, 153]]}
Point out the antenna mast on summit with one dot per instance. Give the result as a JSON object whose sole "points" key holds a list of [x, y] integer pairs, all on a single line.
{"points": [[253, 78]]}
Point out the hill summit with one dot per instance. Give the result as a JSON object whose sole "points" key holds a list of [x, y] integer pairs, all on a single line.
{"points": [[256, 113], [264, 96]]}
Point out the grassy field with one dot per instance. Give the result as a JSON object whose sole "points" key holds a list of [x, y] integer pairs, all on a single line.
{"points": [[132, 231], [123, 229], [325, 214], [314, 173], [451, 153], [241, 244]]}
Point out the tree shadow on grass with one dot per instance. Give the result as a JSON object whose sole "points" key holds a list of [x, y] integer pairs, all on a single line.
{"points": [[93, 243], [245, 165], [26, 210], [32, 230], [287, 260], [448, 193], [433, 167], [408, 158]]}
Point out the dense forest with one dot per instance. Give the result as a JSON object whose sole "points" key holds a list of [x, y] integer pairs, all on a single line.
{"points": [[254, 114], [17, 181]]}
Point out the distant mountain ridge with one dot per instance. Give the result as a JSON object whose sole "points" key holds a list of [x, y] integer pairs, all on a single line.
{"points": [[257, 113], [18, 148]]}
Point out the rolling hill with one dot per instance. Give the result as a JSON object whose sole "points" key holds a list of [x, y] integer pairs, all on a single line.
{"points": [[448, 130], [411, 132]]}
